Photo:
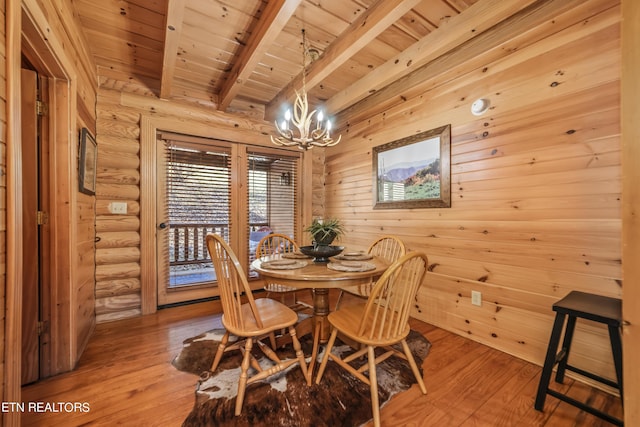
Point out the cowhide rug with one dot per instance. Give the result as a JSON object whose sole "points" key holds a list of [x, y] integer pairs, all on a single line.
{"points": [[285, 399]]}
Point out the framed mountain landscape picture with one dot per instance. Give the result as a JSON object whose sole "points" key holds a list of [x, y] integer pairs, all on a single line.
{"points": [[414, 172]]}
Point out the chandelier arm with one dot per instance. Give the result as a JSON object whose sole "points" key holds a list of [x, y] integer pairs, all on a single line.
{"points": [[285, 133], [284, 142], [319, 134]]}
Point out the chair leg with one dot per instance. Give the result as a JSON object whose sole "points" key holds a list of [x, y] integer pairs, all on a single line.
{"points": [[221, 347], [616, 349], [327, 352], [373, 384], [314, 352], [298, 348], [338, 300], [272, 340], [414, 367], [549, 362], [566, 348], [242, 383]]}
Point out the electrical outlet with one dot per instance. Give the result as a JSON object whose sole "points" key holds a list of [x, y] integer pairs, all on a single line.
{"points": [[118, 208], [476, 298]]}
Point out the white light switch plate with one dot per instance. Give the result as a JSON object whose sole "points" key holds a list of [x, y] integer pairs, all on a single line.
{"points": [[476, 298], [118, 208]]}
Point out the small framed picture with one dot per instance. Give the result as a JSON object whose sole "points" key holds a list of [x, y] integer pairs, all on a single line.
{"points": [[88, 160]]}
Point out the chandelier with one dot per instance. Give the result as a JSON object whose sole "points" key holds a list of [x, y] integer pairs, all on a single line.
{"points": [[302, 120]]}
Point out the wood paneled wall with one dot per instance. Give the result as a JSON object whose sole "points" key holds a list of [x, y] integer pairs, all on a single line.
{"points": [[536, 181]]}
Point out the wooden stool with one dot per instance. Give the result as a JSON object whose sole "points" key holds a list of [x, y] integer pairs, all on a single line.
{"points": [[587, 306]]}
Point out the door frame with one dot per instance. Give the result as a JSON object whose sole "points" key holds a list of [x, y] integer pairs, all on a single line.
{"points": [[188, 293], [28, 32], [149, 127]]}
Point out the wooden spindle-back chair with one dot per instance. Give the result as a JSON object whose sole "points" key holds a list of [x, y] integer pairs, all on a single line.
{"points": [[380, 322], [277, 244], [389, 248], [248, 318]]}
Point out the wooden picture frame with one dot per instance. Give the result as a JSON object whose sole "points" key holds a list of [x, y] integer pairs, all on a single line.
{"points": [[414, 172], [88, 162]]}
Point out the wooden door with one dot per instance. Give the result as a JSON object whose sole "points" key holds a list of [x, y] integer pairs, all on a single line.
{"points": [[30, 232]]}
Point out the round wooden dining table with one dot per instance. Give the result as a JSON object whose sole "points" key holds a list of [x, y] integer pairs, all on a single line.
{"points": [[321, 279]]}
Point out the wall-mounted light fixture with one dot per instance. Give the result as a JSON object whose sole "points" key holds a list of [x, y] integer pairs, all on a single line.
{"points": [[480, 106], [285, 179]]}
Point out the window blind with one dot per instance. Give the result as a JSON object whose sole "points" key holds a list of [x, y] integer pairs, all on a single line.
{"points": [[198, 181], [273, 196]]}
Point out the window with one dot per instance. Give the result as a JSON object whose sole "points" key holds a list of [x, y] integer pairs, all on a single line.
{"points": [[273, 201], [203, 185]]}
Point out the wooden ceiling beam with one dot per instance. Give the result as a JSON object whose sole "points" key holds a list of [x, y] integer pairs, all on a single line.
{"points": [[272, 21], [506, 29], [458, 30], [173, 30], [360, 33]]}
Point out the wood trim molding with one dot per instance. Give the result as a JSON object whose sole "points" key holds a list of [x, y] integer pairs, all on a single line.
{"points": [[630, 207], [148, 288], [13, 292]]}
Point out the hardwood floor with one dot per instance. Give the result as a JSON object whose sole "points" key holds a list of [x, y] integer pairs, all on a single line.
{"points": [[126, 378]]}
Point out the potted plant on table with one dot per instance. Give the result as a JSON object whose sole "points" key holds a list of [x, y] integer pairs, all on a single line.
{"points": [[325, 231]]}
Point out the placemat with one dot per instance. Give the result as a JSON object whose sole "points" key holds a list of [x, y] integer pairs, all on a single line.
{"points": [[283, 264], [354, 256], [351, 266], [295, 255]]}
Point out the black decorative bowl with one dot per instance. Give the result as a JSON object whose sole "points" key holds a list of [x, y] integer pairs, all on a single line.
{"points": [[321, 253]]}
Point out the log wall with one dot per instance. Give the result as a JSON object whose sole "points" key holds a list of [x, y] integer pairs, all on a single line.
{"points": [[117, 286], [122, 287], [536, 181]]}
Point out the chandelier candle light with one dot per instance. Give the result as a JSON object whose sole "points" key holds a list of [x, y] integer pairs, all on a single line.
{"points": [[302, 119]]}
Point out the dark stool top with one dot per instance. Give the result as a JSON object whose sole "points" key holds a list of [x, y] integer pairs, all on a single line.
{"points": [[590, 306]]}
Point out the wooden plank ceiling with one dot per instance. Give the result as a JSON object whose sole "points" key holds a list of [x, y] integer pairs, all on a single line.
{"points": [[247, 54]]}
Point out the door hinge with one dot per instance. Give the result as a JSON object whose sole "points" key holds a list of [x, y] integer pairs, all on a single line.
{"points": [[43, 327], [41, 108], [42, 217]]}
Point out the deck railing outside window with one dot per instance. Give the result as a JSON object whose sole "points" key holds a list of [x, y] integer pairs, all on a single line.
{"points": [[189, 260]]}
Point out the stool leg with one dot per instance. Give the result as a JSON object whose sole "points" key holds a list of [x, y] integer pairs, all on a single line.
{"points": [[566, 348], [616, 349], [549, 361]]}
